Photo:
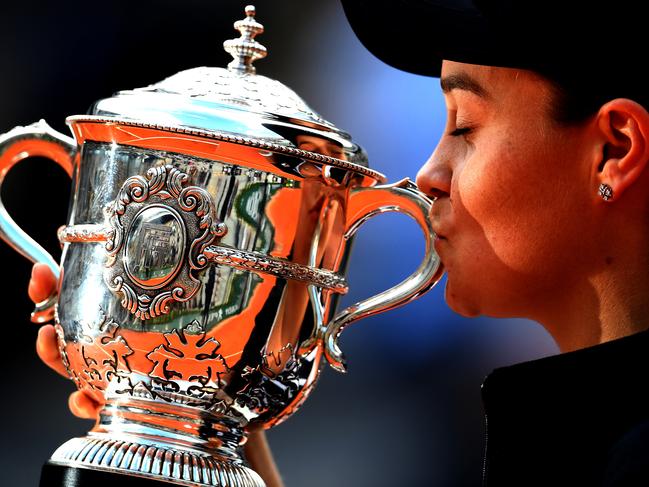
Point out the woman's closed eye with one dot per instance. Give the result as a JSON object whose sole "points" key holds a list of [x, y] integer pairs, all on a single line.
{"points": [[460, 131]]}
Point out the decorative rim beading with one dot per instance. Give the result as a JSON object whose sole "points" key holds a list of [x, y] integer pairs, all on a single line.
{"points": [[236, 139], [256, 261], [83, 233], [217, 254]]}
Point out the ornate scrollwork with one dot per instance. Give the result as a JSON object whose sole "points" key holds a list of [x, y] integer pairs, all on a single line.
{"points": [[158, 232]]}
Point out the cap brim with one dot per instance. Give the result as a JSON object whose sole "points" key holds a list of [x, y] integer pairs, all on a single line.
{"points": [[417, 36], [562, 41]]}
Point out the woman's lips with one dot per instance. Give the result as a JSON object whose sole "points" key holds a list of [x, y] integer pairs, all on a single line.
{"points": [[437, 222], [438, 234], [439, 237], [439, 242]]}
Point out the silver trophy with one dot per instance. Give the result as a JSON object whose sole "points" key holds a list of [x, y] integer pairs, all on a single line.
{"points": [[211, 220]]}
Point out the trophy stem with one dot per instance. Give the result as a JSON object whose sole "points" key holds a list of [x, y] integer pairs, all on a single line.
{"points": [[160, 442]]}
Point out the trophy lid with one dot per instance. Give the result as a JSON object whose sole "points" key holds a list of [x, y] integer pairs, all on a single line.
{"points": [[237, 101]]}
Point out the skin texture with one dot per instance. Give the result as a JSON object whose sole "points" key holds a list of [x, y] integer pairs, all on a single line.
{"points": [[522, 230], [41, 285]]}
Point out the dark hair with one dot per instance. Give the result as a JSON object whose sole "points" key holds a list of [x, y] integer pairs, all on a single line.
{"points": [[569, 107], [573, 103]]}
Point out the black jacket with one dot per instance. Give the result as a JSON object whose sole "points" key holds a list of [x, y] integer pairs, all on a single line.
{"points": [[575, 419]]}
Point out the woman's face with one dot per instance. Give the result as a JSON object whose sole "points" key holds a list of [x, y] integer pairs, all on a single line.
{"points": [[513, 192]]}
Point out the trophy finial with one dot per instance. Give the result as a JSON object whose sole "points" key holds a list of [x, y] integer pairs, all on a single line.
{"points": [[245, 50]]}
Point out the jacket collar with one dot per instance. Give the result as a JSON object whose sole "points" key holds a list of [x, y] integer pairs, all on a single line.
{"points": [[610, 361], [559, 416]]}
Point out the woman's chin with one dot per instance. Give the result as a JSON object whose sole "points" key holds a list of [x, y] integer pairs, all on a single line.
{"points": [[460, 303]]}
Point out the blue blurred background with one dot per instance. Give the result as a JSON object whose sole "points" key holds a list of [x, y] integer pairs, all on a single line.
{"points": [[416, 421]]}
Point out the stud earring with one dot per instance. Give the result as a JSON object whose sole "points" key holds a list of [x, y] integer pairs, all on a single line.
{"points": [[605, 191]]}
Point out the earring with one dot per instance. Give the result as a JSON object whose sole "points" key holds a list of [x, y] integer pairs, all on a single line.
{"points": [[605, 191]]}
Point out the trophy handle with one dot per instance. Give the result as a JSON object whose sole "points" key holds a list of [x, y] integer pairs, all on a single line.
{"points": [[37, 139], [364, 203]]}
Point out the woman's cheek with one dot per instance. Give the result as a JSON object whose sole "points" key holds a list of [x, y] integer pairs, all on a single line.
{"points": [[491, 211]]}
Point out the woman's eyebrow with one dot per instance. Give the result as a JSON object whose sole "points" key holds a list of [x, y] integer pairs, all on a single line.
{"points": [[462, 81]]}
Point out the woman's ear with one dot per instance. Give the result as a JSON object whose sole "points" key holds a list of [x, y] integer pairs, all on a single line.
{"points": [[624, 126]]}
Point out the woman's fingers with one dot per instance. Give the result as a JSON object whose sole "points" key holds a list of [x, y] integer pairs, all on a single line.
{"points": [[41, 286], [83, 406], [42, 283], [48, 350]]}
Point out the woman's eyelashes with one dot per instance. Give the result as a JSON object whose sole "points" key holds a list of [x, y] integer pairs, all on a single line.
{"points": [[460, 131]]}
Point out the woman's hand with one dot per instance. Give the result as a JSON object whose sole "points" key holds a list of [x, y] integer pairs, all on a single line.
{"points": [[41, 286]]}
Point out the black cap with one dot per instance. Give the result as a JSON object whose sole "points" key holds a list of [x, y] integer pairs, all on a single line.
{"points": [[591, 46]]}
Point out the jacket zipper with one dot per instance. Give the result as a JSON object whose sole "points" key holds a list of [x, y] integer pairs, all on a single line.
{"points": [[484, 459]]}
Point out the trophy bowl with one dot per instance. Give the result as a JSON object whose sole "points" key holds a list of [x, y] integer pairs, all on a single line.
{"points": [[211, 218]]}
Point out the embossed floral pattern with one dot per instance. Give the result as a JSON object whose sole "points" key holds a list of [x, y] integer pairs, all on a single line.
{"points": [[267, 390], [188, 355], [98, 357]]}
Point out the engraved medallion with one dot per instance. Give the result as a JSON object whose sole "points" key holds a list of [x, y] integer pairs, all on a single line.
{"points": [[154, 247], [158, 232]]}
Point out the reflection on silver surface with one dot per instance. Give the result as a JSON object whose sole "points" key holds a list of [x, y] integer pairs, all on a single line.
{"points": [[248, 344], [154, 247], [264, 137]]}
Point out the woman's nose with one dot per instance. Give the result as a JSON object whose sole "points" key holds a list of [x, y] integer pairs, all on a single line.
{"points": [[434, 177]]}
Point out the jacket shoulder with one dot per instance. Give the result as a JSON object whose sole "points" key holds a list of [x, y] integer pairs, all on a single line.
{"points": [[628, 459]]}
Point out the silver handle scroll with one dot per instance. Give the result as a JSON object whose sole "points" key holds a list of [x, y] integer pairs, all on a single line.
{"points": [[38, 139], [364, 203]]}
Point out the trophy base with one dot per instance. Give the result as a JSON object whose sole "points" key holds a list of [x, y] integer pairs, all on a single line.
{"points": [[95, 458], [142, 442], [53, 475]]}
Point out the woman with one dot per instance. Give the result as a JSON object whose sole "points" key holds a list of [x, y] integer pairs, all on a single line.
{"points": [[541, 196], [541, 209]]}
